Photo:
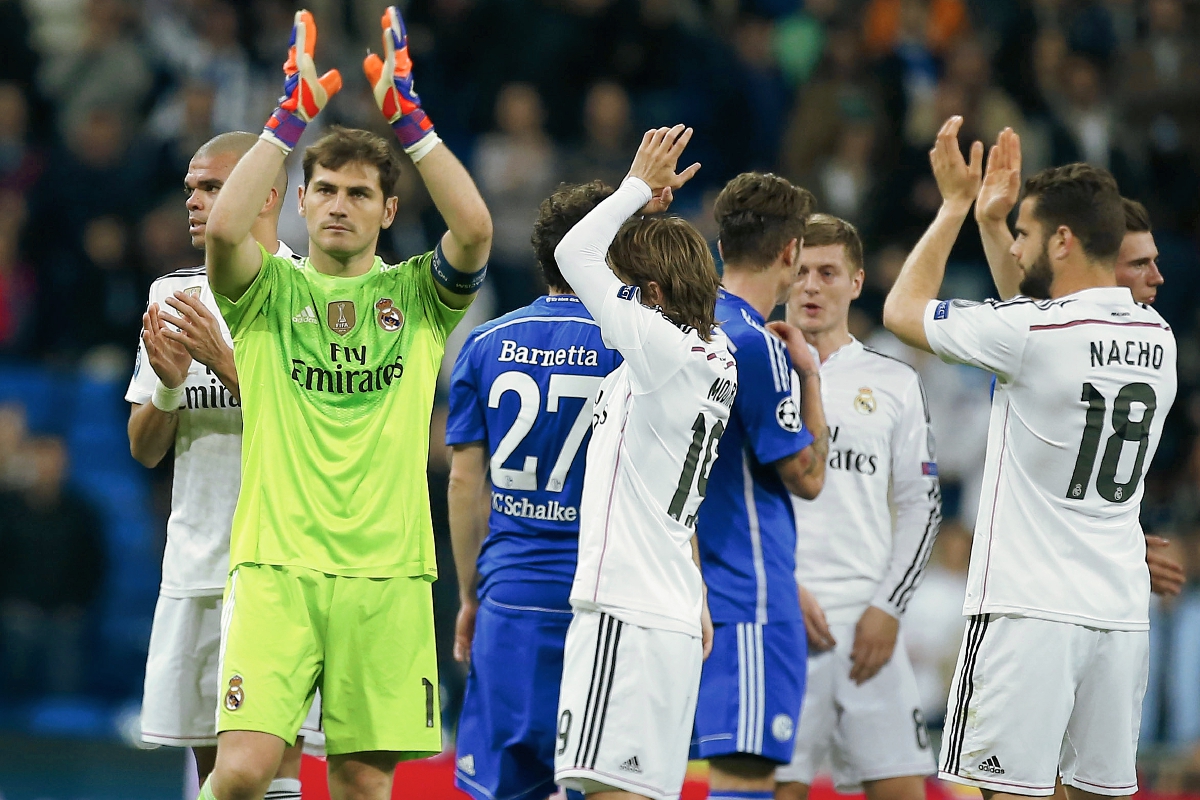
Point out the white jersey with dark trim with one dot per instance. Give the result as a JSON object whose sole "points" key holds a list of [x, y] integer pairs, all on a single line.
{"points": [[1084, 384], [208, 454], [867, 536], [655, 428]]}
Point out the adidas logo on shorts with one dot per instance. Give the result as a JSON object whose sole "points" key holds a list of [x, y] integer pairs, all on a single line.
{"points": [[991, 764], [466, 765], [632, 765], [307, 315]]}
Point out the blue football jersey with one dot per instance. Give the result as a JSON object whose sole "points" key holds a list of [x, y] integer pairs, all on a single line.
{"points": [[524, 384], [746, 530]]}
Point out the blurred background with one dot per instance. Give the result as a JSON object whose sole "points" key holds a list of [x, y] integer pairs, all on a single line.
{"points": [[102, 103]]}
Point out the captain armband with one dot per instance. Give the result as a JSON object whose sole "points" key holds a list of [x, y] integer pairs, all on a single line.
{"points": [[455, 281]]}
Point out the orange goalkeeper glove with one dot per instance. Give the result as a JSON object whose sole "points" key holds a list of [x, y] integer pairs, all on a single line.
{"points": [[392, 82], [304, 94]]}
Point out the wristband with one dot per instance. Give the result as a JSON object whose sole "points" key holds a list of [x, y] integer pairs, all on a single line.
{"points": [[421, 148], [165, 398], [284, 129], [457, 282]]}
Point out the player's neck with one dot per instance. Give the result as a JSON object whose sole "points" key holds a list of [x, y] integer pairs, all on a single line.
{"points": [[829, 341], [351, 267], [759, 288], [1087, 275]]}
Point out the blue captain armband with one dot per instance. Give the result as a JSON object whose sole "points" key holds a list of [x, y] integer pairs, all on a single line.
{"points": [[457, 282]]}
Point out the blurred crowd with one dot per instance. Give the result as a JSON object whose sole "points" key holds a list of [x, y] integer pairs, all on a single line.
{"points": [[102, 103]]}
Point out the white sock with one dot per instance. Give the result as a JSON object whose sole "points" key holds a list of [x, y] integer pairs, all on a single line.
{"points": [[283, 789]]}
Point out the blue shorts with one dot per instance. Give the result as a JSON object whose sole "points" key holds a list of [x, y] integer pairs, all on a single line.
{"points": [[751, 689], [509, 725]]}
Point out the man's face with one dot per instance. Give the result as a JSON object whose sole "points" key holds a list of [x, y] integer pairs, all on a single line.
{"points": [[205, 176], [1137, 266], [821, 295], [1031, 250], [345, 209]]}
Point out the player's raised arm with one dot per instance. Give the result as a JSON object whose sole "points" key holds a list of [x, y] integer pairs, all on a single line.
{"points": [[582, 254], [921, 278], [997, 196], [232, 256], [462, 263]]}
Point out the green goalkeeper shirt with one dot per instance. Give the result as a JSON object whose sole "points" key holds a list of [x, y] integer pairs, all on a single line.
{"points": [[337, 379]]}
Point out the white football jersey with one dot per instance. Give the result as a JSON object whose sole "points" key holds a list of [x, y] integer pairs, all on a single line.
{"points": [[867, 536], [1084, 384], [208, 455], [655, 427]]}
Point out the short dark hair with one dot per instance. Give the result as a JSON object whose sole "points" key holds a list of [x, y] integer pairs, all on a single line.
{"points": [[1137, 218], [670, 252], [825, 229], [757, 214], [1085, 199], [342, 146], [557, 214]]}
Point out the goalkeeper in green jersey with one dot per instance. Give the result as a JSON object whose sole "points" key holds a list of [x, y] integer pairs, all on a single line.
{"points": [[331, 553]]}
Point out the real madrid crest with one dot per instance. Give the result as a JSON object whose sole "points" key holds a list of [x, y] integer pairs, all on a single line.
{"points": [[340, 316], [390, 318], [235, 695], [864, 401]]}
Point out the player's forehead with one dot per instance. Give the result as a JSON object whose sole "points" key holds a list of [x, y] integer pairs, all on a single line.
{"points": [[1137, 247], [824, 255], [207, 167], [353, 174], [1026, 220]]}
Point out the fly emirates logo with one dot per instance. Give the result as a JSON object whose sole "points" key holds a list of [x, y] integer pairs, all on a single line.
{"points": [[340, 376]]}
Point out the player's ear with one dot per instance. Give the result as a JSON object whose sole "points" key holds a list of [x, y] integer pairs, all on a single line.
{"points": [[300, 199], [653, 294], [390, 207], [856, 283], [720, 250], [272, 201]]}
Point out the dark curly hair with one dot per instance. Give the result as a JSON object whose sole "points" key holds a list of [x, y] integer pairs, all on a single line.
{"points": [[757, 214], [557, 214], [1084, 199]]}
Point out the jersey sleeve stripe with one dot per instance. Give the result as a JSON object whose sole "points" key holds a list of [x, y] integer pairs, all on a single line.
{"points": [[916, 570], [502, 325], [1075, 322]]}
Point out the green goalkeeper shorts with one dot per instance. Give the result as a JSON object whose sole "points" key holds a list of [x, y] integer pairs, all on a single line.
{"points": [[367, 643]]}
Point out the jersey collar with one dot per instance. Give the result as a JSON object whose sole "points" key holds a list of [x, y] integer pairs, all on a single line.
{"points": [[284, 251], [845, 351], [728, 296]]}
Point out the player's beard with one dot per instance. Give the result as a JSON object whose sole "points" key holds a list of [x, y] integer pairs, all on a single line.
{"points": [[1038, 277]]}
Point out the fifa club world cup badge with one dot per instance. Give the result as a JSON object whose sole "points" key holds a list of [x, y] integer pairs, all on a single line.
{"points": [[340, 316], [192, 291], [864, 401], [390, 318], [235, 695]]}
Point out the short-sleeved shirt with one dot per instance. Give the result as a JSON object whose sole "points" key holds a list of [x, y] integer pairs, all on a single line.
{"points": [[208, 450], [1084, 384], [524, 385], [337, 377], [746, 531]]}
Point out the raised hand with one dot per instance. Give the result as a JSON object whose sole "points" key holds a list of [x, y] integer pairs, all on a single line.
{"points": [[169, 359], [802, 358], [198, 332], [1002, 180], [391, 82], [304, 94], [657, 157], [957, 180]]}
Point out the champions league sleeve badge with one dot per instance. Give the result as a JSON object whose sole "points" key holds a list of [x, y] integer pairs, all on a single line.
{"points": [[389, 317]]}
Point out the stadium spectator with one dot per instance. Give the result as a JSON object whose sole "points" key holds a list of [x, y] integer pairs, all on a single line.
{"points": [[603, 155], [52, 540], [20, 161]]}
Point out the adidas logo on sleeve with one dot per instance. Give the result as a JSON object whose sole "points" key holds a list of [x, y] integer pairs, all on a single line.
{"points": [[991, 764]]}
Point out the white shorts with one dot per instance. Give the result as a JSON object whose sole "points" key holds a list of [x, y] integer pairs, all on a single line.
{"points": [[179, 700], [626, 707], [1033, 699], [869, 732]]}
